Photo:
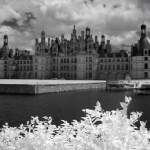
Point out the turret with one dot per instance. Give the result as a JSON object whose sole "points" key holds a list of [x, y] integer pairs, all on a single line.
{"points": [[43, 36], [103, 39], [87, 32], [82, 34], [74, 31], [143, 31], [5, 40]]}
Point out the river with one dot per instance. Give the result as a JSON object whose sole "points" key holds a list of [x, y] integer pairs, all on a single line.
{"points": [[18, 109]]}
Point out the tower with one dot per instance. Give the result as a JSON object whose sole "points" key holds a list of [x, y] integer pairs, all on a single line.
{"points": [[5, 40], [143, 31], [74, 31], [82, 35], [43, 37], [143, 42], [87, 32], [103, 39]]}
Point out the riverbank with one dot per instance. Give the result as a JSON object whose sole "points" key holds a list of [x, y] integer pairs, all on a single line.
{"points": [[17, 86]]}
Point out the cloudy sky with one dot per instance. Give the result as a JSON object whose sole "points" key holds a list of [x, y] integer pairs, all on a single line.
{"points": [[119, 20]]}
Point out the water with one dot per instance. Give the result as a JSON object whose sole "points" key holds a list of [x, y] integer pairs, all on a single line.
{"points": [[18, 109]]}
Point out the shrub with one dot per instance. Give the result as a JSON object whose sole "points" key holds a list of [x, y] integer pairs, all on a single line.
{"points": [[98, 130]]}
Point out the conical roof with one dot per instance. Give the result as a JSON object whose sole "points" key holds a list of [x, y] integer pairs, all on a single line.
{"points": [[144, 44]]}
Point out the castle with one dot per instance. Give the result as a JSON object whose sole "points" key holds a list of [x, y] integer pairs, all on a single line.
{"points": [[81, 57]]}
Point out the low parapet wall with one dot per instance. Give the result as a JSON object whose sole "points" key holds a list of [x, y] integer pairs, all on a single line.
{"points": [[38, 89], [68, 87]]}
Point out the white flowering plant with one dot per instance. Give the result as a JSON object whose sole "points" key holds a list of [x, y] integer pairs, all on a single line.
{"points": [[98, 130]]}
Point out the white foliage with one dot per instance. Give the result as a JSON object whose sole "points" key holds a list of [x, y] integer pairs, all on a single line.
{"points": [[99, 130]]}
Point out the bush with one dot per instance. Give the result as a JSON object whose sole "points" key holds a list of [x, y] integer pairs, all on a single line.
{"points": [[99, 130]]}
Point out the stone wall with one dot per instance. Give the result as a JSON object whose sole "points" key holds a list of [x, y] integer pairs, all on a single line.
{"points": [[37, 89], [17, 89], [68, 87]]}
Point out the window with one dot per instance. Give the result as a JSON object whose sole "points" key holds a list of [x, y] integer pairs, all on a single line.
{"points": [[67, 67], [101, 60], [61, 68], [31, 68], [113, 67], [109, 60], [126, 67], [64, 67], [75, 60], [145, 66], [36, 67], [71, 60], [90, 67], [118, 67], [101, 67], [64, 60], [105, 67], [109, 67], [35, 74], [67, 60], [90, 75], [75, 67], [90, 59], [27, 62], [145, 74], [24, 68], [145, 52], [113, 60], [105, 60], [20, 62], [61, 60], [86, 59], [126, 59], [145, 58], [5, 62], [53, 68], [27, 68], [131, 66]]}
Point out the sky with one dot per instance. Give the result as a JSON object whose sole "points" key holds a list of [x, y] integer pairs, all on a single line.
{"points": [[118, 20]]}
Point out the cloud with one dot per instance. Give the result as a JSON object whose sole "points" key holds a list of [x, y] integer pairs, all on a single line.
{"points": [[119, 20]]}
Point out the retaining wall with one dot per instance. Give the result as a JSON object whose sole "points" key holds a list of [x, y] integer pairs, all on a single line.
{"points": [[37, 89]]}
